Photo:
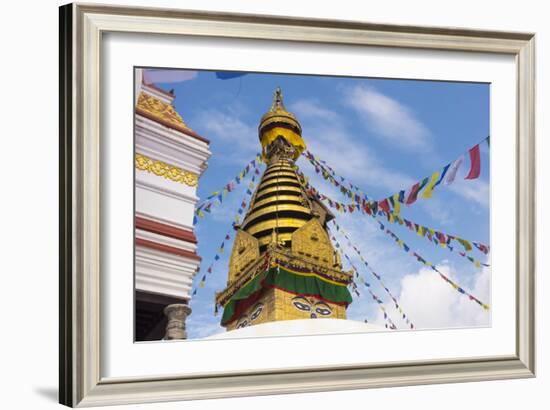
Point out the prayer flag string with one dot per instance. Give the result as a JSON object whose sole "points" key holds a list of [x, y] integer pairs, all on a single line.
{"points": [[379, 302], [436, 237], [446, 176], [378, 277], [420, 259], [217, 197], [440, 238], [220, 251]]}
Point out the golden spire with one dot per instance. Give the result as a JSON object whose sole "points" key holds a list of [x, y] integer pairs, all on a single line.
{"points": [[284, 225], [278, 122], [278, 101]]}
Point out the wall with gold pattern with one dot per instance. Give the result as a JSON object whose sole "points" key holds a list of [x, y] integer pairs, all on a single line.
{"points": [[277, 304]]}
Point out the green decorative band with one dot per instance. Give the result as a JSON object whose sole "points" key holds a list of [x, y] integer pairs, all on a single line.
{"points": [[277, 277]]}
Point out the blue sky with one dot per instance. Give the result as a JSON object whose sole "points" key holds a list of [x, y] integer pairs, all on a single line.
{"points": [[383, 135]]}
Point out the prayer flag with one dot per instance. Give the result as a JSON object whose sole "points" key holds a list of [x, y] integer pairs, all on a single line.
{"points": [[415, 190], [451, 175], [384, 205], [412, 193], [429, 189], [401, 196], [467, 245], [482, 247], [396, 204], [475, 163], [443, 173]]}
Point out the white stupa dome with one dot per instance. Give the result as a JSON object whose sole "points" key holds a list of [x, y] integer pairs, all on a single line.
{"points": [[300, 327]]}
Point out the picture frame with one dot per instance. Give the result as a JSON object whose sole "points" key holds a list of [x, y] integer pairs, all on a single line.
{"points": [[82, 29]]}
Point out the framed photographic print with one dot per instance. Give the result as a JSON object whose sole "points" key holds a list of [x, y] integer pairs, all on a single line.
{"points": [[257, 205]]}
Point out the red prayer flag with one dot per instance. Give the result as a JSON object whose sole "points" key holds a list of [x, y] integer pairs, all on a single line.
{"points": [[412, 195], [475, 163], [384, 205], [367, 209]]}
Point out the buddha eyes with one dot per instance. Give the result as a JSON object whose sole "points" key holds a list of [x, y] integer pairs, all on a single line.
{"points": [[316, 308], [257, 311], [301, 305], [323, 311], [242, 323], [247, 320]]}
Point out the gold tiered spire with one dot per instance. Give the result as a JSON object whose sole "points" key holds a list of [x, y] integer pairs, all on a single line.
{"points": [[278, 122], [283, 228]]}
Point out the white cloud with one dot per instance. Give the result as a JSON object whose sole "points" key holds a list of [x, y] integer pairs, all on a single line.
{"points": [[432, 303], [326, 136], [477, 191], [228, 127], [438, 211], [392, 120], [311, 109]]}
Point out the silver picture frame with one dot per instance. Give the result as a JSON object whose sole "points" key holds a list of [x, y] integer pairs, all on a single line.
{"points": [[81, 31]]}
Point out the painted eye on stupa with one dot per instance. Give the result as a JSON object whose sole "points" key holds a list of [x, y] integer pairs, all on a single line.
{"points": [[323, 309], [301, 303], [243, 322], [256, 311]]}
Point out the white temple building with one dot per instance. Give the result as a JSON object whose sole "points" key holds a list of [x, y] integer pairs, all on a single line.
{"points": [[169, 159]]}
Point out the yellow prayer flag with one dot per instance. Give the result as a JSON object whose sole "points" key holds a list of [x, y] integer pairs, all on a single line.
{"points": [[428, 191], [467, 245], [396, 204], [477, 264]]}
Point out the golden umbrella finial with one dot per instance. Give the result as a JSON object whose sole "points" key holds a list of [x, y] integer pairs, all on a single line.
{"points": [[278, 100], [278, 122]]}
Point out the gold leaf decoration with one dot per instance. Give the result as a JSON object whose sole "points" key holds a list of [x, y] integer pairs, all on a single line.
{"points": [[166, 171], [160, 110]]}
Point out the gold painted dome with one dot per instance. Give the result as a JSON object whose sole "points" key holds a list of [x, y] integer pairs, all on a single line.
{"points": [[278, 122], [279, 115]]}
